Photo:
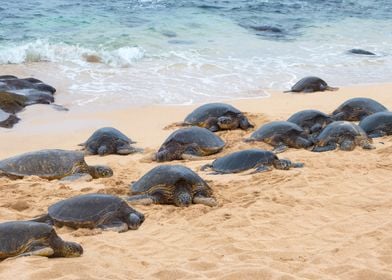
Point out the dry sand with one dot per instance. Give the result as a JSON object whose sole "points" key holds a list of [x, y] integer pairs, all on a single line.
{"points": [[328, 220]]}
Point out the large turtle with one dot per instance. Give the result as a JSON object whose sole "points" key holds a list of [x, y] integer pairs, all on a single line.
{"points": [[52, 164], [378, 124], [311, 84], [103, 211], [108, 140], [188, 143], [240, 161], [171, 184], [355, 109], [281, 135], [343, 133], [311, 121], [26, 238], [217, 116]]}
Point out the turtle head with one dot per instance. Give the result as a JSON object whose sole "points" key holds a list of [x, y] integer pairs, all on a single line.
{"points": [[182, 197], [135, 219], [225, 122], [283, 164], [161, 156], [103, 150], [70, 250], [100, 171]]}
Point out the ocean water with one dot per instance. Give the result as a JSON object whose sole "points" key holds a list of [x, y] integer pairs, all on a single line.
{"points": [[181, 51]]}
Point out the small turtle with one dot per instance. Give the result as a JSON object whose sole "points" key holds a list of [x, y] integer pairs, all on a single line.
{"points": [[26, 238], [311, 84], [348, 135], [188, 143], [281, 135], [103, 211], [108, 140], [217, 116], [7, 120], [355, 109], [378, 124], [171, 184], [311, 121], [52, 164], [360, 51], [240, 161]]}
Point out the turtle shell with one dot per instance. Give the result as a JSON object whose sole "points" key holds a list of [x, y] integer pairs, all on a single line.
{"points": [[243, 160], [106, 135], [309, 84], [306, 119], [17, 236], [88, 210], [381, 121], [163, 179], [204, 138], [216, 110], [49, 164], [358, 108], [339, 129], [276, 132]]}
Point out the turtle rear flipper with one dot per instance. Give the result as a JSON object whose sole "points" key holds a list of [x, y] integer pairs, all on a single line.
{"points": [[329, 147], [208, 201], [43, 219], [143, 199], [331, 88], [118, 226]]}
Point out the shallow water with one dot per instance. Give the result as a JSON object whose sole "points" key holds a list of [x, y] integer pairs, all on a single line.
{"points": [[176, 52]]}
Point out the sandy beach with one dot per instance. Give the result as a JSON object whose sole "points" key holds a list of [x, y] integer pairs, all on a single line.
{"points": [[328, 220]]}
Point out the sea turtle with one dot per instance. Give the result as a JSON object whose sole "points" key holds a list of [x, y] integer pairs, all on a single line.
{"points": [[7, 120], [311, 121], [311, 84], [281, 135], [171, 184], [52, 164], [108, 140], [188, 143], [25, 84], [348, 135], [26, 238], [355, 109], [103, 211], [239, 161], [217, 116], [360, 51], [378, 124]]}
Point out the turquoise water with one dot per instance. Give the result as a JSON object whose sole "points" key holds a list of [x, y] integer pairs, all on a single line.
{"points": [[177, 52]]}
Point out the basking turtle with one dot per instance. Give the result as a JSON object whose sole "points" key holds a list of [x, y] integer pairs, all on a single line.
{"points": [[103, 211], [355, 109], [217, 116], [108, 140], [188, 143], [378, 124], [345, 134], [311, 121], [52, 164], [311, 84], [7, 120], [171, 184], [239, 161], [26, 238], [281, 135]]}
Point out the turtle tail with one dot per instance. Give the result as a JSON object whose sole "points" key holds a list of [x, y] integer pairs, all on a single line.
{"points": [[287, 91], [43, 219], [331, 88]]}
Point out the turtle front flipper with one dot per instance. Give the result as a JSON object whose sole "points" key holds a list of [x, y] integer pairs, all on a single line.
{"points": [[329, 147], [143, 199], [280, 148], [331, 88], [83, 177], [127, 149], [117, 226], [41, 252], [208, 201], [261, 168], [192, 152]]}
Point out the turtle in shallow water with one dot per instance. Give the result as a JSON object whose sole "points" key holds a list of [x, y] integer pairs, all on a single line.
{"points": [[345, 134], [360, 51], [188, 143], [378, 124], [108, 140], [171, 184], [355, 109], [52, 164], [281, 135], [257, 159], [311, 84], [103, 211], [26, 238], [311, 121], [217, 116]]}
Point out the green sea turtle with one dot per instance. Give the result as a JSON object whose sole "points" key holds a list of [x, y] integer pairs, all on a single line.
{"points": [[171, 184], [378, 124], [52, 164], [311, 84], [191, 142], [281, 135], [343, 133], [311, 121], [355, 109], [108, 140], [103, 211], [26, 238], [217, 116], [257, 159]]}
